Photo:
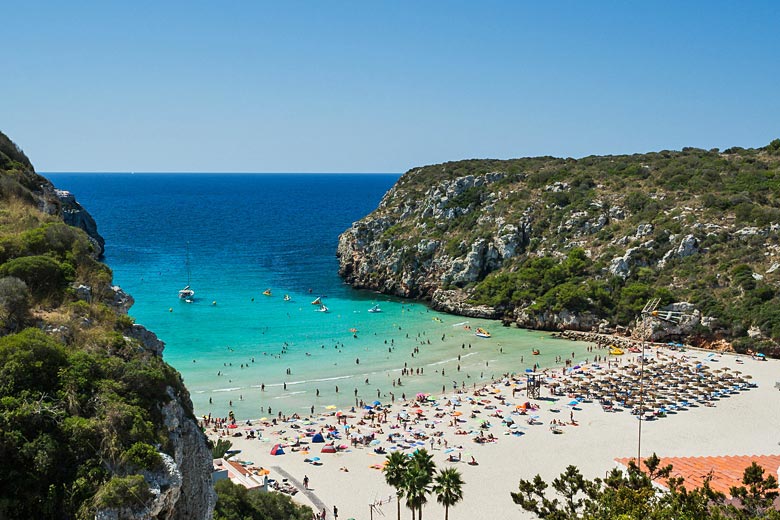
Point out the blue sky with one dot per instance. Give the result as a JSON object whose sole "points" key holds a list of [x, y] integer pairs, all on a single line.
{"points": [[328, 86]]}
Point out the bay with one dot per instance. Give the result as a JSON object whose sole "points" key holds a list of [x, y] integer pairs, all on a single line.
{"points": [[246, 233]]}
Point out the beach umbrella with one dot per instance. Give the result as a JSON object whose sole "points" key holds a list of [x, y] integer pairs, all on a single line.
{"points": [[277, 450]]}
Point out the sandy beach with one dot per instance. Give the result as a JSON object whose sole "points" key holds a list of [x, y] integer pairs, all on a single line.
{"points": [[743, 422]]}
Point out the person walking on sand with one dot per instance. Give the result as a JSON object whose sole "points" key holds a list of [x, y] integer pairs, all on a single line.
{"points": [[336, 512], [305, 482]]}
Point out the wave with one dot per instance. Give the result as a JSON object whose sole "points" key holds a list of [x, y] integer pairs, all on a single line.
{"points": [[232, 389]]}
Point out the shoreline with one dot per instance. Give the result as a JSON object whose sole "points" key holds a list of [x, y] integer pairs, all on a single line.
{"points": [[350, 479]]}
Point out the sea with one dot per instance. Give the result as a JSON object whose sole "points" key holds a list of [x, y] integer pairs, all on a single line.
{"points": [[234, 237]]}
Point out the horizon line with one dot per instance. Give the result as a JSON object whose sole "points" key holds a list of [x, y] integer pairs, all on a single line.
{"points": [[210, 173]]}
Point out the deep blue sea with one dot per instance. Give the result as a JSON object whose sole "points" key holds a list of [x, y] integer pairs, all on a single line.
{"points": [[246, 233]]}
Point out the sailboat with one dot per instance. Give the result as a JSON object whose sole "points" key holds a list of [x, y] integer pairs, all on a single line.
{"points": [[375, 308], [187, 294], [322, 308]]}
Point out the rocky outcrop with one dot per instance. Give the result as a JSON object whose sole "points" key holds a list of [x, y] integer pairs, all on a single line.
{"points": [[148, 339], [371, 256], [75, 215], [688, 246], [196, 497], [182, 489], [454, 302], [466, 233], [164, 486], [560, 320]]}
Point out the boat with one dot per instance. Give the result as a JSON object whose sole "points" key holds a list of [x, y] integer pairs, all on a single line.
{"points": [[267, 292], [187, 294], [482, 333], [287, 298], [375, 308], [615, 351], [535, 352], [317, 301], [322, 308]]}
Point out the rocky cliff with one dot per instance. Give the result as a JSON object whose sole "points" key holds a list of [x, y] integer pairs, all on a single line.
{"points": [[583, 244], [95, 424]]}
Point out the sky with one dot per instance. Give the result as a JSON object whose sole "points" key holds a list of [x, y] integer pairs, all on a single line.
{"points": [[373, 86]]}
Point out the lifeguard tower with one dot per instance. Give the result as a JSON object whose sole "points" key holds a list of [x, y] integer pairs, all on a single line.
{"points": [[533, 384]]}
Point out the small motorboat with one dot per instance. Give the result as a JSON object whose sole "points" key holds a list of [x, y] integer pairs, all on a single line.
{"points": [[615, 351], [481, 333], [535, 352], [287, 298], [267, 292], [375, 308], [323, 309]]}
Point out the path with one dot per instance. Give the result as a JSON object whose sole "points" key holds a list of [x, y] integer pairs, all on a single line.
{"points": [[314, 499]]}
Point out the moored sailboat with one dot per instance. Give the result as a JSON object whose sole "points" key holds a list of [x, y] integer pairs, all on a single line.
{"points": [[187, 294]]}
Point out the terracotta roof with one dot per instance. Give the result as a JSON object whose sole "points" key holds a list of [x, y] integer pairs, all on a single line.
{"points": [[726, 470], [238, 473]]}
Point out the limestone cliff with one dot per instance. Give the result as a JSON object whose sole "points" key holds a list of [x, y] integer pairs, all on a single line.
{"points": [[95, 424], [75, 215], [582, 244]]}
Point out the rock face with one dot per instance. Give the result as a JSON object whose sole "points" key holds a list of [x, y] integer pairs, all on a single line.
{"points": [[454, 234], [75, 215], [196, 497], [370, 258], [183, 489]]}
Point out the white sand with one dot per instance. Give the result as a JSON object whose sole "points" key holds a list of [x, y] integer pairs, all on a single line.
{"points": [[744, 424]]}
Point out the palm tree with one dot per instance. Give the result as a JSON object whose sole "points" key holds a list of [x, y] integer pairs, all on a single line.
{"points": [[395, 475], [448, 487], [416, 486], [419, 477]]}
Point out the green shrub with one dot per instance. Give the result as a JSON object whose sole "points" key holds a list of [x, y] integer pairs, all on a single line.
{"points": [[14, 303], [45, 276], [131, 492], [142, 456]]}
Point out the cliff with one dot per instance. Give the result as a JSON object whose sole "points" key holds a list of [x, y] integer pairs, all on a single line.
{"points": [[583, 244], [94, 424]]}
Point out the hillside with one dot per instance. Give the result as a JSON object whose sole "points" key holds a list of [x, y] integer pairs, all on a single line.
{"points": [[583, 244], [93, 424]]}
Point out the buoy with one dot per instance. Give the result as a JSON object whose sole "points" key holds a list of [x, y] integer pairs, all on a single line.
{"points": [[214, 302]]}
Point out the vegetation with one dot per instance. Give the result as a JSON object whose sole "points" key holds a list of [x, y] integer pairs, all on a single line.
{"points": [[415, 477], [219, 449], [579, 215], [235, 502], [634, 495], [80, 406]]}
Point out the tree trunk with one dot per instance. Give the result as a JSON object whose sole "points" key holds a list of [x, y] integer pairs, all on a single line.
{"points": [[446, 512], [398, 502]]}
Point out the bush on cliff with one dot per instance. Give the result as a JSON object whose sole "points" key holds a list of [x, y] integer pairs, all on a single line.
{"points": [[235, 502]]}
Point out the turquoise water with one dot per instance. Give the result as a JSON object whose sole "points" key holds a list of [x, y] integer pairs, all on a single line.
{"points": [[248, 233]]}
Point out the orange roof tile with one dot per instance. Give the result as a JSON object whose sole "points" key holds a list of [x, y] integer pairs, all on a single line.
{"points": [[727, 470]]}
